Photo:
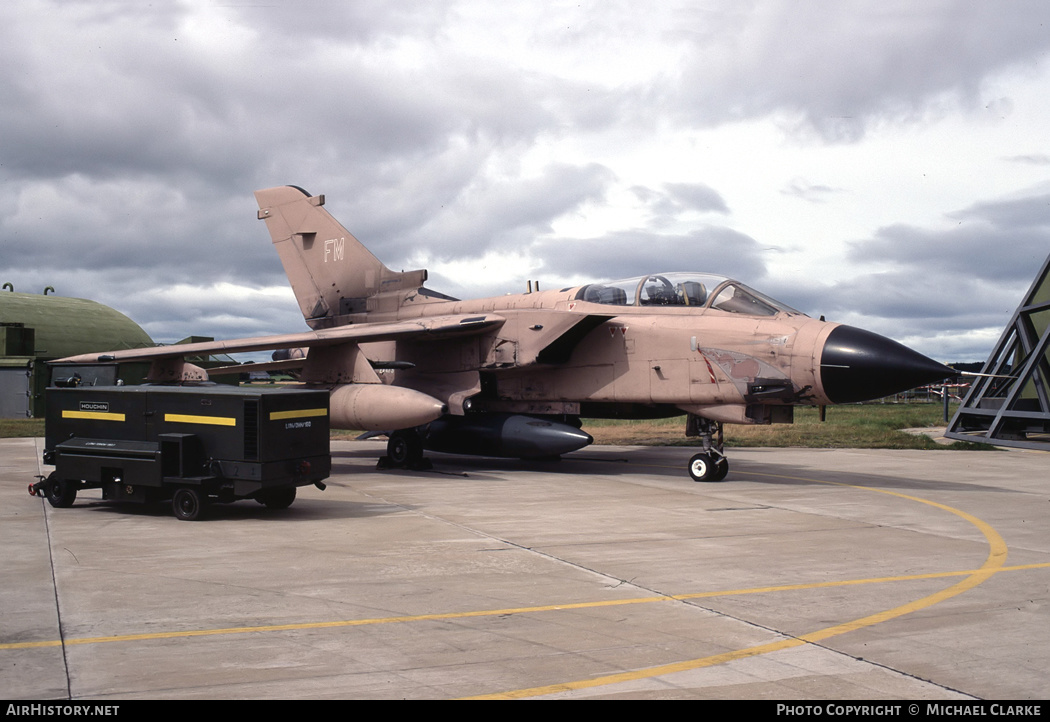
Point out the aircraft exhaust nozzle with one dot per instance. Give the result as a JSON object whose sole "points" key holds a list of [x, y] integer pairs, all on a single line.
{"points": [[858, 365], [378, 407]]}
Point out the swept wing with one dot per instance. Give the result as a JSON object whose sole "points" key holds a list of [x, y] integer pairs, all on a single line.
{"points": [[433, 327]]}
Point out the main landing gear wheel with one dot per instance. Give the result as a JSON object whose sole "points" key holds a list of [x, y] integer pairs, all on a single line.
{"points": [[188, 504], [405, 448], [705, 467], [61, 493]]}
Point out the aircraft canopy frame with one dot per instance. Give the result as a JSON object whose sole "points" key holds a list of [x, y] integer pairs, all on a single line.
{"points": [[683, 289]]}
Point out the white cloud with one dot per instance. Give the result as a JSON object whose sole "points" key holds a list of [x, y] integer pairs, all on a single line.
{"points": [[820, 151]]}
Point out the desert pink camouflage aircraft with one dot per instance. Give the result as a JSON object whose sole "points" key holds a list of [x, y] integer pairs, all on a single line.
{"points": [[512, 375]]}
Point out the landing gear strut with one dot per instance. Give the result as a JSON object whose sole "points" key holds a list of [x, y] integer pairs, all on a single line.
{"points": [[711, 464]]}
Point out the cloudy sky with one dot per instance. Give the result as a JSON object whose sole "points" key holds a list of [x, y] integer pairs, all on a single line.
{"points": [[885, 163]]}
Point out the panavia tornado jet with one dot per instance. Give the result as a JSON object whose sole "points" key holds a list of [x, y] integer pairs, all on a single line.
{"points": [[512, 375]]}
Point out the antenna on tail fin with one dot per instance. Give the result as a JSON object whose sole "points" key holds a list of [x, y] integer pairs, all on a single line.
{"points": [[332, 274]]}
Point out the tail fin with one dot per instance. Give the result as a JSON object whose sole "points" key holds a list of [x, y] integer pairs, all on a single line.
{"points": [[333, 276]]}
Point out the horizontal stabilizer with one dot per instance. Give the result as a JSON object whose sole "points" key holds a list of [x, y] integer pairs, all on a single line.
{"points": [[264, 367]]}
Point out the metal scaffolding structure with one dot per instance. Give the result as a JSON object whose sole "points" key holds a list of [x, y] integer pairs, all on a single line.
{"points": [[1009, 403]]}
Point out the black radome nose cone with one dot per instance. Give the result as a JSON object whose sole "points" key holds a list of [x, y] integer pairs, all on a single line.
{"points": [[857, 365]]}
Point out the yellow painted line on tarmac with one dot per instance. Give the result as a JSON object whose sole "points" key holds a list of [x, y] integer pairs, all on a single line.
{"points": [[515, 610], [325, 625], [852, 582], [993, 563]]}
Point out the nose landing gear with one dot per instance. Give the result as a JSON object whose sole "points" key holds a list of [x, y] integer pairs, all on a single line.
{"points": [[711, 464]]}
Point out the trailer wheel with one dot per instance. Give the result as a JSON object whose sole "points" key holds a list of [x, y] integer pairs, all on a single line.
{"points": [[277, 498], [188, 504], [60, 492]]}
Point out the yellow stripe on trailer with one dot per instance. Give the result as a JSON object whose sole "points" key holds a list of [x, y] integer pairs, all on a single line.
{"points": [[210, 420], [93, 415], [297, 414]]}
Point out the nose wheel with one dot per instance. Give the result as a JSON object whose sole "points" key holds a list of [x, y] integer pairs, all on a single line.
{"points": [[706, 467], [710, 464]]}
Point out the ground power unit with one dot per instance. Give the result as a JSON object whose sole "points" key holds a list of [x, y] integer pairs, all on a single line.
{"points": [[192, 446]]}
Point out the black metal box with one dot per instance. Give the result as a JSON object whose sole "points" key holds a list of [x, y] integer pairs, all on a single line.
{"points": [[223, 442]]}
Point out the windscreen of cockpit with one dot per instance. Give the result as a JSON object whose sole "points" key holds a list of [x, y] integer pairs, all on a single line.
{"points": [[700, 290]]}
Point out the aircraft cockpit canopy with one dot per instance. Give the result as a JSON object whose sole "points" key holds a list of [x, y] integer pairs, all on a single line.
{"points": [[699, 290]]}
